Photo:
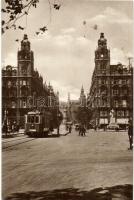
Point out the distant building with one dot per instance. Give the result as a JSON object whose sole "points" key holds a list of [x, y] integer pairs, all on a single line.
{"points": [[23, 88], [74, 105], [82, 98], [63, 109], [111, 89]]}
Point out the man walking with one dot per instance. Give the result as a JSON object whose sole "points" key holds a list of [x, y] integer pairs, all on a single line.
{"points": [[80, 129], [70, 129], [130, 133], [83, 130]]}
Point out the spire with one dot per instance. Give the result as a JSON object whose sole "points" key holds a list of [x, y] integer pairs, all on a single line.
{"points": [[102, 42], [25, 37], [68, 97], [25, 44], [82, 90], [82, 98]]}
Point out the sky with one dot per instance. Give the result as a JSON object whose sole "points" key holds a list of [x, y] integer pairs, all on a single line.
{"points": [[64, 55]]}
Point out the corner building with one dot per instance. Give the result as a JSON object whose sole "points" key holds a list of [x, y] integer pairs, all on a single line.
{"points": [[111, 89], [23, 89]]}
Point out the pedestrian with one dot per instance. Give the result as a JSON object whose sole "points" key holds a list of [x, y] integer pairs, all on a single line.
{"points": [[17, 127], [70, 129], [83, 130], [130, 133], [95, 127], [51, 127], [12, 128], [66, 127], [80, 130]]}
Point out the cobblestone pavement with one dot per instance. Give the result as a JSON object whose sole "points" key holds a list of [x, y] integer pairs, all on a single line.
{"points": [[95, 167]]}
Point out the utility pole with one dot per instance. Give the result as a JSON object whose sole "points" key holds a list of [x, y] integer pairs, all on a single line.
{"points": [[58, 114], [131, 90], [18, 93]]}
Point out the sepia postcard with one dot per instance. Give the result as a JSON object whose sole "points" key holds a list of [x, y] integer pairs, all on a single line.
{"points": [[67, 99]]}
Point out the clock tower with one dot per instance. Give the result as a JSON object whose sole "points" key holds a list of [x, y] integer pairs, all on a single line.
{"points": [[102, 56], [25, 58], [25, 75]]}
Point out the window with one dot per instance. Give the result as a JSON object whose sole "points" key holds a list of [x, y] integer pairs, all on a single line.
{"points": [[103, 103], [24, 104], [13, 104], [103, 113], [127, 113], [24, 91], [99, 81], [103, 81], [128, 82], [103, 91], [124, 103], [115, 92], [115, 81], [37, 119], [9, 84], [124, 81], [21, 82], [24, 82], [124, 92], [30, 119], [120, 81], [102, 65], [115, 103], [120, 113]]}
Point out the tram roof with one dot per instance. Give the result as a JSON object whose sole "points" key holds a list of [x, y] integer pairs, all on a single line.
{"points": [[34, 112]]}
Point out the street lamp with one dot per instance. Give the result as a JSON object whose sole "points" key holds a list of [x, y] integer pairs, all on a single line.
{"points": [[5, 120], [97, 110], [58, 114], [58, 127]]}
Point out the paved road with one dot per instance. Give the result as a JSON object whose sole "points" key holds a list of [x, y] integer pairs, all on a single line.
{"points": [[46, 167]]}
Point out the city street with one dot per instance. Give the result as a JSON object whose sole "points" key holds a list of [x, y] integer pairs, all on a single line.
{"points": [[97, 166]]}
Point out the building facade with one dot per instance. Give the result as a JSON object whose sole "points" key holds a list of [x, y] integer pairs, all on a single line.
{"points": [[111, 91], [23, 89], [73, 107]]}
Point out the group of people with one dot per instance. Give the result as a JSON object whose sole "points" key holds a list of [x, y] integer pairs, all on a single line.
{"points": [[82, 130], [10, 127], [69, 128]]}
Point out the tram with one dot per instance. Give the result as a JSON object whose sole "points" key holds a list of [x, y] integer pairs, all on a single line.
{"points": [[38, 124]]}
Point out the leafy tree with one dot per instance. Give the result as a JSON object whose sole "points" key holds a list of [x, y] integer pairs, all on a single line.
{"points": [[13, 10], [84, 115]]}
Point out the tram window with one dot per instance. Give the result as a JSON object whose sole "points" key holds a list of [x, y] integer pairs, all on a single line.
{"points": [[31, 119], [28, 119], [37, 119]]}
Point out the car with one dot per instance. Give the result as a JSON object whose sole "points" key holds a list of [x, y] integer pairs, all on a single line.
{"points": [[113, 126]]}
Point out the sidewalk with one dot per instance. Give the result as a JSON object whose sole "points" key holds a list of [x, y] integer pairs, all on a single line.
{"points": [[13, 134]]}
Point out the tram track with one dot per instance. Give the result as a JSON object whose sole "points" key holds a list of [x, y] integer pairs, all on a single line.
{"points": [[15, 139], [6, 147]]}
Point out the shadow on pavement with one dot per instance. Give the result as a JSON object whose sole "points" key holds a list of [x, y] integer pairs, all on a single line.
{"points": [[120, 192]]}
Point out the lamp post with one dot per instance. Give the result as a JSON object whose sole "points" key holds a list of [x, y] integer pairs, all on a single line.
{"points": [[97, 110], [58, 127], [18, 99], [6, 120], [58, 114]]}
